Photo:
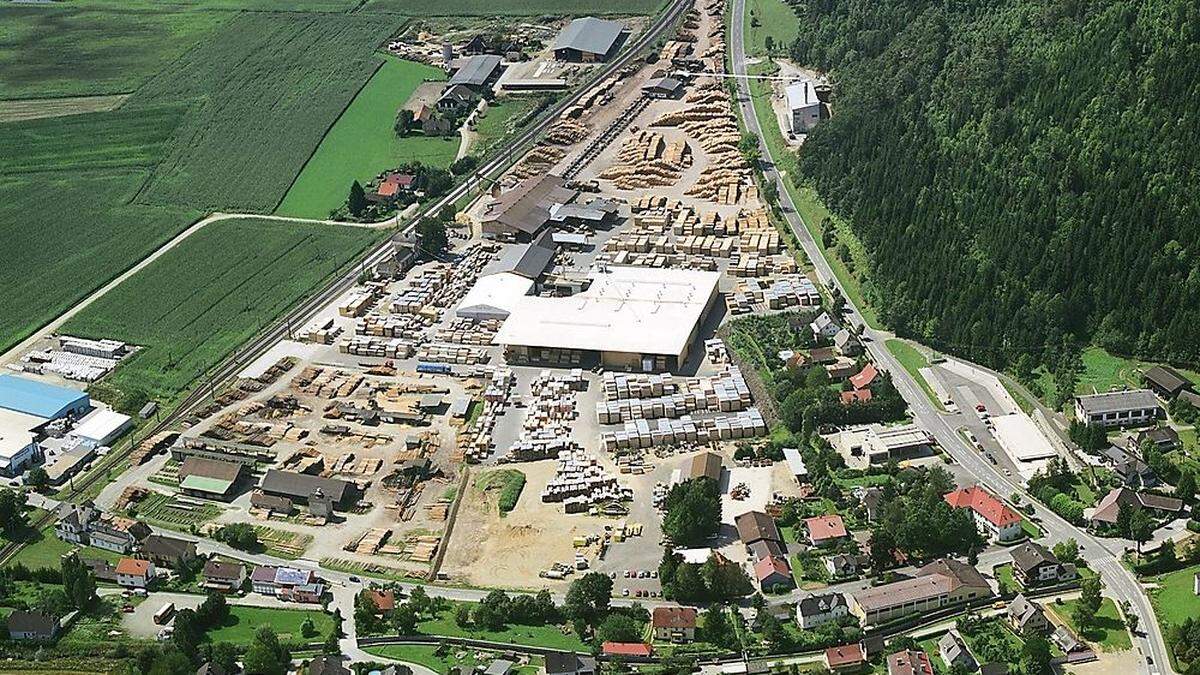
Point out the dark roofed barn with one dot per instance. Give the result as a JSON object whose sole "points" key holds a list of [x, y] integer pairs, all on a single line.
{"points": [[522, 211], [588, 39], [300, 487]]}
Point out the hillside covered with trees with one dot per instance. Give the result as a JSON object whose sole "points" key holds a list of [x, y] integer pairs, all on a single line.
{"points": [[1023, 173]]}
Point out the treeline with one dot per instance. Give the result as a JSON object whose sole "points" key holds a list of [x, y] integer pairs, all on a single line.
{"points": [[1022, 172]]}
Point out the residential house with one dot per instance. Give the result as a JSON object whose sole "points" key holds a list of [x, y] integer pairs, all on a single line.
{"points": [[1166, 382], [85, 525], [627, 649], [1105, 513], [674, 624], [992, 516], [938, 584], [569, 663], [844, 565], [210, 668], [1026, 617], [823, 327], [103, 570], [384, 600], [23, 625], [773, 573], [134, 573], [817, 610], [223, 576], [1119, 408], [909, 662], [1034, 565], [296, 585], [844, 658], [1165, 439], [499, 667], [865, 377], [856, 396], [846, 343], [825, 530], [841, 368], [327, 665], [1129, 467], [1066, 640], [262, 579], [164, 551], [954, 652], [872, 501], [457, 97]]}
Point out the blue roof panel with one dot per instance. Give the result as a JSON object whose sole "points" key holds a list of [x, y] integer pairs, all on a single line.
{"points": [[38, 398]]}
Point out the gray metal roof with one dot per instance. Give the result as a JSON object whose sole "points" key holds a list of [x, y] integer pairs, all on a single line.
{"points": [[529, 260], [1118, 401], [302, 485], [476, 70], [589, 35]]}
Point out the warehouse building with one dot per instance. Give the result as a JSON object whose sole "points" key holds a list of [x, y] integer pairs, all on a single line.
{"points": [[477, 72], [588, 40], [26, 406], [211, 478], [319, 493], [630, 318], [494, 296], [804, 108], [521, 212], [1119, 408]]}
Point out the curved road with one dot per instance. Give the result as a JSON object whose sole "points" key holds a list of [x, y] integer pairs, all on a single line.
{"points": [[1120, 583]]}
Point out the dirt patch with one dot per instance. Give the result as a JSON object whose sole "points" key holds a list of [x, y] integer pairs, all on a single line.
{"points": [[487, 549]]}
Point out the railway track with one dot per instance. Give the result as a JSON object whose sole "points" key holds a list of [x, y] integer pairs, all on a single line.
{"points": [[344, 280]]}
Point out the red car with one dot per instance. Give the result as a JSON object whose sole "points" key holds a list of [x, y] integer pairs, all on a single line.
{"points": [[980, 408]]}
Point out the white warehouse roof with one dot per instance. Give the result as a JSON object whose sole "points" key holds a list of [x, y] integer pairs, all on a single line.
{"points": [[101, 426], [634, 310], [494, 296]]}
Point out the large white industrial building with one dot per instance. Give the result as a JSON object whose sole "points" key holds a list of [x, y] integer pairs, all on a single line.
{"points": [[804, 108], [630, 318]]}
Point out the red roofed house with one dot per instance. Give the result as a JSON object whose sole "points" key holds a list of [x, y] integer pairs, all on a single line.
{"points": [[627, 649], [845, 657], [677, 624], [385, 601], [773, 572], [991, 515], [133, 573], [865, 377], [856, 396], [825, 529], [393, 185], [909, 662]]}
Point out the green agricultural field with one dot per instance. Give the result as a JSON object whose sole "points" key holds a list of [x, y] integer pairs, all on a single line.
{"points": [[263, 91], [89, 48], [512, 7], [191, 307], [243, 622], [55, 255], [122, 138], [363, 142]]}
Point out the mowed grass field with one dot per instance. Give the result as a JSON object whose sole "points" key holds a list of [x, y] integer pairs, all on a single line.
{"points": [[191, 307], [770, 18], [363, 142], [243, 623]]}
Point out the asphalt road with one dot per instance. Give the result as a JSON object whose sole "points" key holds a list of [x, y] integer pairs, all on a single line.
{"points": [[1120, 583]]}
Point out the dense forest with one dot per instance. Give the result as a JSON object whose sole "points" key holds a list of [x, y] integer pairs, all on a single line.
{"points": [[1024, 173]]}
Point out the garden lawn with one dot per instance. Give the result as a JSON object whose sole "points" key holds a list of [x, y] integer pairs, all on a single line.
{"points": [[535, 636], [1174, 600], [243, 622], [772, 18], [1108, 630], [44, 550], [198, 302], [363, 142], [422, 654], [499, 121]]}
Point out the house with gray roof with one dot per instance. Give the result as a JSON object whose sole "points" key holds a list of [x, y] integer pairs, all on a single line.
{"points": [[954, 651], [588, 40], [1026, 616], [1129, 408]]}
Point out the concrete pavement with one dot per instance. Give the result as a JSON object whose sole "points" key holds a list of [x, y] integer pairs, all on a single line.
{"points": [[1121, 583]]}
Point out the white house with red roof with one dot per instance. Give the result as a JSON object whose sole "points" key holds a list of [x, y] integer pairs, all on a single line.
{"points": [[992, 516]]}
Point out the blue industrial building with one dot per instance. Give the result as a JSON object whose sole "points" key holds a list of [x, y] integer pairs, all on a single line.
{"points": [[39, 399]]}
